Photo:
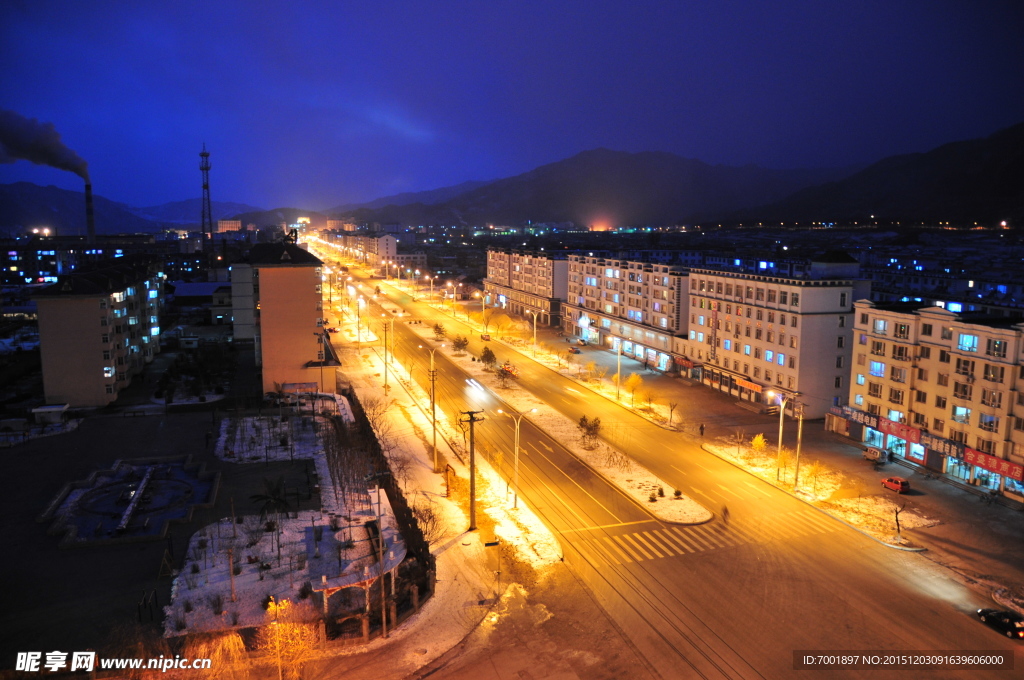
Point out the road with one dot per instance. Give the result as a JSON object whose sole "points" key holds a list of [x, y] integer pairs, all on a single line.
{"points": [[721, 600]]}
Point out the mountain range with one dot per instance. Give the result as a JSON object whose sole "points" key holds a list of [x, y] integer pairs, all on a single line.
{"points": [[976, 180]]}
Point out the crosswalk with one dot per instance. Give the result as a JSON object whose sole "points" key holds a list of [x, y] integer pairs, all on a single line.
{"points": [[673, 541]]}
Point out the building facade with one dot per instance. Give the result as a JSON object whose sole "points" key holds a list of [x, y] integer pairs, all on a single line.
{"points": [[634, 307], [752, 334], [943, 390], [282, 284], [527, 283], [97, 330]]}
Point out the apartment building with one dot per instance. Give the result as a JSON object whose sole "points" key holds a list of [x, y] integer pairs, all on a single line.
{"points": [[372, 250], [765, 338], [631, 306], [941, 389], [527, 283], [98, 329], [278, 304]]}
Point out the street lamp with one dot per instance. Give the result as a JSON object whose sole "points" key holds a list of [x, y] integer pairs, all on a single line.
{"points": [[433, 410], [783, 400], [515, 484], [431, 280], [534, 331], [618, 366], [323, 356], [384, 323], [359, 317]]}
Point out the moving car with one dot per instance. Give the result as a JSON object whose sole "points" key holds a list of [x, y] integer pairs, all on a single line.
{"points": [[574, 350], [485, 336], [874, 453], [1010, 624], [897, 484]]}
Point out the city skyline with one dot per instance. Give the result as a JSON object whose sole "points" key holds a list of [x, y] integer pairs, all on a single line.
{"points": [[316, 108]]}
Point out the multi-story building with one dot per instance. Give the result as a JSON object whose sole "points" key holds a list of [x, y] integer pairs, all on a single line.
{"points": [[97, 329], [942, 390], [751, 334], [372, 250], [630, 306], [277, 303], [527, 283]]}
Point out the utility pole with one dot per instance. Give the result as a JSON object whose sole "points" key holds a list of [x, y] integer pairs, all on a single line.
{"points": [[384, 323], [471, 418], [799, 438]]}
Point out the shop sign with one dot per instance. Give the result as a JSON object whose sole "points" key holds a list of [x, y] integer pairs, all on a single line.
{"points": [[907, 432], [685, 363], [946, 447], [837, 411], [994, 464], [861, 417], [753, 387]]}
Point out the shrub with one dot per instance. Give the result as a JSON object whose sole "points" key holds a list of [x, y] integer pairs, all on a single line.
{"points": [[678, 494], [195, 568], [265, 603], [217, 604], [661, 492], [237, 569], [305, 591], [188, 606], [653, 498]]}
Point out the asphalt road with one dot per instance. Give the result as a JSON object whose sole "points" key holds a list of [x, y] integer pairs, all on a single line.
{"points": [[721, 600]]}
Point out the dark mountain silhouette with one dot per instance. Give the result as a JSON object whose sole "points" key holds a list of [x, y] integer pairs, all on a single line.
{"points": [[432, 197], [980, 180], [26, 205], [190, 211], [613, 187]]}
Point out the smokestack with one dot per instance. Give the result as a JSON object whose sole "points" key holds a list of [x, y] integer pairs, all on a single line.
{"points": [[90, 220]]}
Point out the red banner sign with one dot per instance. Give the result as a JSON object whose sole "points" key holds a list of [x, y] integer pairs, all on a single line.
{"points": [[911, 434], [753, 387], [994, 464]]}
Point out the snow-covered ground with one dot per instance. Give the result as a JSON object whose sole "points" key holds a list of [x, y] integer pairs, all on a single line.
{"points": [[325, 549], [828, 490]]}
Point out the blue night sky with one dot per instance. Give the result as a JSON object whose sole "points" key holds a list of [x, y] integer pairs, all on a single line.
{"points": [[315, 104]]}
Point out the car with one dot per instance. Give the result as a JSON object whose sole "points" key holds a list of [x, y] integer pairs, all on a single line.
{"points": [[332, 330], [574, 350], [581, 342], [1010, 624], [897, 484], [485, 337]]}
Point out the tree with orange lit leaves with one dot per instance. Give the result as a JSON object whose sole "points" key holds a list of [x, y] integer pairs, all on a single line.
{"points": [[287, 639]]}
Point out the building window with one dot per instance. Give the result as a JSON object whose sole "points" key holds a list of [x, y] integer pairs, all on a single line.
{"points": [[922, 375], [902, 331], [877, 369], [961, 390], [875, 390], [842, 299], [946, 333], [920, 397], [771, 296], [839, 362], [795, 301], [964, 366], [839, 381], [897, 374], [943, 380], [940, 401], [967, 343], [895, 395], [842, 322], [996, 348], [993, 373], [860, 378], [841, 341], [944, 356], [926, 329], [109, 389], [858, 399], [874, 410], [987, 445], [878, 348], [782, 297], [924, 352], [901, 352], [938, 425], [863, 319], [992, 398], [962, 414], [880, 326]]}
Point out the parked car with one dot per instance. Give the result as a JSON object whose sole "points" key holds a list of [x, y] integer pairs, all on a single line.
{"points": [[581, 342], [1010, 624], [332, 330], [875, 454], [574, 350], [485, 336], [897, 484]]}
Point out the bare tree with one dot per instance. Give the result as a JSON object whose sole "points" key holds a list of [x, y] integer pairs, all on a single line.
{"points": [[430, 521], [813, 471], [632, 384], [671, 409]]}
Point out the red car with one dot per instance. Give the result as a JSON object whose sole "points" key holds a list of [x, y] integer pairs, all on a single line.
{"points": [[574, 350], [897, 484]]}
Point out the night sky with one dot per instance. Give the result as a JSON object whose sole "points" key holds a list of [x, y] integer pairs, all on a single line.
{"points": [[315, 104]]}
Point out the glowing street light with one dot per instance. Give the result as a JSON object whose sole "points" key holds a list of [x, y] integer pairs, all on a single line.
{"points": [[518, 417], [534, 330], [783, 400]]}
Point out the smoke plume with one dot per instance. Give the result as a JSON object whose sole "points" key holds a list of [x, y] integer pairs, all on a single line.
{"points": [[27, 139]]}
